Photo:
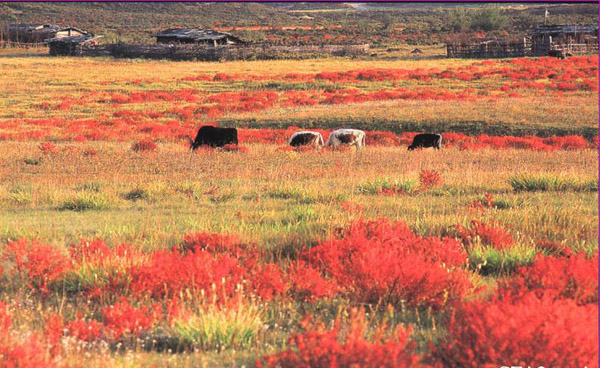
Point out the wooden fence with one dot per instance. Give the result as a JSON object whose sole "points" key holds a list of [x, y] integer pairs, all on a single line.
{"points": [[488, 49], [21, 45], [210, 53]]}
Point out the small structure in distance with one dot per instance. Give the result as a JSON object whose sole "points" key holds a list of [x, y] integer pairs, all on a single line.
{"points": [[28, 33], [197, 36], [573, 39], [70, 41]]}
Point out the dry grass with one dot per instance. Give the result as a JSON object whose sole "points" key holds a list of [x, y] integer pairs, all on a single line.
{"points": [[279, 199]]}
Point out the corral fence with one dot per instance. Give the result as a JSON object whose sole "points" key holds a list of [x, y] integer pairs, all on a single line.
{"points": [[22, 45], [542, 49], [488, 49], [210, 53]]}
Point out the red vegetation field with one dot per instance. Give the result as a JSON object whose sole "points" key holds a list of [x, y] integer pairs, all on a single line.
{"points": [[533, 318], [175, 114]]}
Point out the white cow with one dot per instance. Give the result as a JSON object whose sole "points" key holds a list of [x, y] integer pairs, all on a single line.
{"points": [[351, 137], [307, 138]]}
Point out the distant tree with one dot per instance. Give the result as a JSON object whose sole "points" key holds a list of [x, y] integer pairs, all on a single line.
{"points": [[526, 21], [458, 20], [488, 19]]}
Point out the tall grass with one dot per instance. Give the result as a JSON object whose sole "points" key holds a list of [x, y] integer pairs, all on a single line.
{"points": [[546, 182]]}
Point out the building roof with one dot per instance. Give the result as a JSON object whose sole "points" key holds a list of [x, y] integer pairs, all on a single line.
{"points": [[73, 29], [195, 34], [34, 27], [73, 39], [566, 28]]}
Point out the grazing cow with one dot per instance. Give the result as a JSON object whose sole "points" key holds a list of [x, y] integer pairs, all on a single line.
{"points": [[307, 138], [214, 137], [426, 140], [561, 54], [350, 137]]}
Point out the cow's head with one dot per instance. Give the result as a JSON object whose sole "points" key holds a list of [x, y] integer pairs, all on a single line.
{"points": [[193, 144]]}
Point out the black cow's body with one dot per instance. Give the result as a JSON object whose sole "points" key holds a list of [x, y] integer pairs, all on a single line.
{"points": [[561, 54], [426, 140], [303, 140], [214, 137]]}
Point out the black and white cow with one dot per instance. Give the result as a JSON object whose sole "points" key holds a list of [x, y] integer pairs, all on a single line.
{"points": [[307, 138], [214, 137], [350, 137], [426, 140]]}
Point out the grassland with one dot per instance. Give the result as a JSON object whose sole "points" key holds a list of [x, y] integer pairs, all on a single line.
{"points": [[150, 293], [278, 199]]}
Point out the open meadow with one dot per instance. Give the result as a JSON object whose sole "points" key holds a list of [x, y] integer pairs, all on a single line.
{"points": [[119, 247]]}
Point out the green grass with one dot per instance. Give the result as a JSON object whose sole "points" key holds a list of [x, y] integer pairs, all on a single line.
{"points": [[85, 201], [217, 328], [544, 183], [490, 261], [373, 187]]}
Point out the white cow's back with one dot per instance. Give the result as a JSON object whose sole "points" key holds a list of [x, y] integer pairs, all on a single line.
{"points": [[360, 136]]}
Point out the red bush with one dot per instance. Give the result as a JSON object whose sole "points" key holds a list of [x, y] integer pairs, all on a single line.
{"points": [[83, 330], [526, 331], [47, 148], [144, 146], [575, 277], [123, 319], [36, 263], [379, 260], [488, 234], [430, 179], [29, 352], [553, 249], [235, 148], [307, 283], [169, 272], [336, 348]]}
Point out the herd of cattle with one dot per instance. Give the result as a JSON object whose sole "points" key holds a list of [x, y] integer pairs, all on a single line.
{"points": [[219, 137]]}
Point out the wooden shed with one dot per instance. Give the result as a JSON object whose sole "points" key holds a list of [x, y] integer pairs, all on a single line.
{"points": [[28, 33], [570, 39], [71, 45], [196, 36]]}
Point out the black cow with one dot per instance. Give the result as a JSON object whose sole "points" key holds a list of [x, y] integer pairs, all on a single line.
{"points": [[214, 137], [426, 140], [557, 54]]}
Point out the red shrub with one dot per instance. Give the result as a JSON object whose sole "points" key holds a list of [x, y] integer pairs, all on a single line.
{"points": [[235, 148], [17, 352], [352, 207], [490, 234], [222, 244], [53, 332], [307, 283], [526, 331], [430, 179], [89, 152], [575, 277], [144, 146], [553, 249], [47, 148], [167, 273], [83, 330], [483, 204], [124, 319], [36, 263], [336, 348], [379, 260]]}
